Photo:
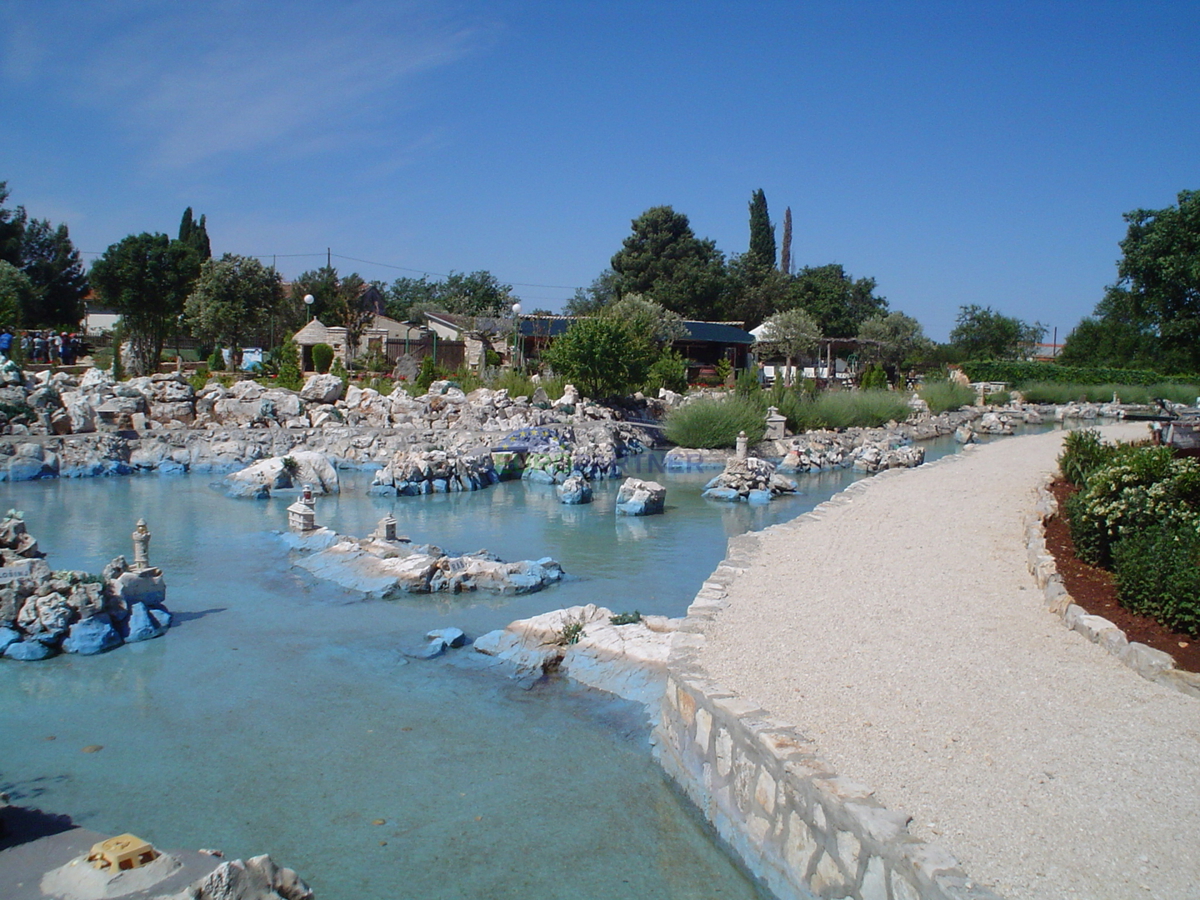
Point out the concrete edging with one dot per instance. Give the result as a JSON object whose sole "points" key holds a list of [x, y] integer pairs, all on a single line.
{"points": [[796, 824]]}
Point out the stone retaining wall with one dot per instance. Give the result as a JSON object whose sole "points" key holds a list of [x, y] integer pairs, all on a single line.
{"points": [[1155, 665], [796, 824]]}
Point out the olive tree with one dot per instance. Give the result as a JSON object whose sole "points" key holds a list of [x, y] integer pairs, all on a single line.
{"points": [[234, 297]]}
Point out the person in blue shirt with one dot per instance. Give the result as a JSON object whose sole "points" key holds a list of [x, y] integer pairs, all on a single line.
{"points": [[6, 340]]}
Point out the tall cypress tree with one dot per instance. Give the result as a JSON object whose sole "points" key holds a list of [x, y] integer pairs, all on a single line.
{"points": [[785, 254], [762, 235], [194, 233]]}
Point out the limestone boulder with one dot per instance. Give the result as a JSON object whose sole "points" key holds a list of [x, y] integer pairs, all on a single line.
{"points": [[575, 490], [321, 389], [641, 498], [289, 472]]}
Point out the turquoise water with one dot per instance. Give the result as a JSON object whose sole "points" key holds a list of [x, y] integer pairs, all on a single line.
{"points": [[280, 716]]}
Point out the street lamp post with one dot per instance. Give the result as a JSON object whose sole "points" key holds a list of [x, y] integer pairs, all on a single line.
{"points": [[309, 300], [516, 311]]}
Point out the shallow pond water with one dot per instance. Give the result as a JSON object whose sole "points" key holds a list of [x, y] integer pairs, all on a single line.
{"points": [[280, 715]]}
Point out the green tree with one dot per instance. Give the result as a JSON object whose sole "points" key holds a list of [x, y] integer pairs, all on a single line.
{"points": [[601, 355], [352, 312], [322, 284], [900, 338], [983, 333], [756, 292], [762, 232], [785, 255], [145, 278], [839, 303], [1160, 271], [792, 334], [55, 269], [475, 294], [194, 233], [233, 298], [601, 292], [12, 229], [408, 297], [649, 321], [664, 260], [1116, 336], [16, 293]]}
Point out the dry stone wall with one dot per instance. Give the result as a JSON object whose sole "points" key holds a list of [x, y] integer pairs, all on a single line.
{"points": [[800, 827]]}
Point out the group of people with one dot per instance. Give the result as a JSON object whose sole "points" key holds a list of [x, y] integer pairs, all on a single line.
{"points": [[45, 346]]}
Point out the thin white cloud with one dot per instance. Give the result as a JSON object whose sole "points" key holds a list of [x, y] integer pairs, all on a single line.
{"points": [[193, 83]]}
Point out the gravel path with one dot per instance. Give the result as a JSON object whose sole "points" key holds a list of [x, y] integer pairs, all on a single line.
{"points": [[904, 633]]}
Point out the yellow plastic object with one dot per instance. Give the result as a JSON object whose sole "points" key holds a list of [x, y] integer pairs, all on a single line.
{"points": [[125, 851]]}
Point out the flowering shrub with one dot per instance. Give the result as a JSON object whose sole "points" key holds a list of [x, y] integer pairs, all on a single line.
{"points": [[1138, 511], [1140, 488]]}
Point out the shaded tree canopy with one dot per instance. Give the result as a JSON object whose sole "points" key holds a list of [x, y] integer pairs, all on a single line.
{"points": [[145, 277], [601, 292], [50, 261], [337, 301], [785, 253], [839, 303], [1115, 336], [12, 229], [983, 333], [194, 233], [232, 299], [664, 260], [1160, 271], [16, 291], [755, 292], [762, 233], [469, 294], [650, 321], [602, 356], [792, 334], [900, 338], [55, 269]]}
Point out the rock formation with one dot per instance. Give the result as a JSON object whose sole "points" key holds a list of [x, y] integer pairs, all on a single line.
{"points": [[43, 612]]}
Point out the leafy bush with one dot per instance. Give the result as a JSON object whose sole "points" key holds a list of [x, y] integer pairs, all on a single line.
{"points": [[1157, 572], [1142, 487], [668, 371], [946, 396], [199, 378], [747, 384], [1083, 453], [724, 369], [711, 424], [216, 361], [338, 369], [374, 360], [322, 357], [287, 362], [429, 373], [998, 398], [874, 378]]}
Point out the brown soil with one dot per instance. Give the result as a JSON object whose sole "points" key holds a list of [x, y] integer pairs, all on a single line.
{"points": [[1093, 589]]}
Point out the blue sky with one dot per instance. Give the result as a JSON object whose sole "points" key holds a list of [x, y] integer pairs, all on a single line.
{"points": [[959, 153]]}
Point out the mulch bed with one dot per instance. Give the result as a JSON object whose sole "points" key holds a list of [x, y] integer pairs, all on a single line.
{"points": [[1094, 590]]}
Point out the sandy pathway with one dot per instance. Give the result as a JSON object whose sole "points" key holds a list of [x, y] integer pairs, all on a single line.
{"points": [[905, 634]]}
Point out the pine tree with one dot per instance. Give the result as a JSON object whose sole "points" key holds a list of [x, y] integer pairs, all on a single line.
{"points": [[762, 234], [785, 255]]}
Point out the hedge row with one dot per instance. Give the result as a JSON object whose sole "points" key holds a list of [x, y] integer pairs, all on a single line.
{"points": [[1018, 373]]}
